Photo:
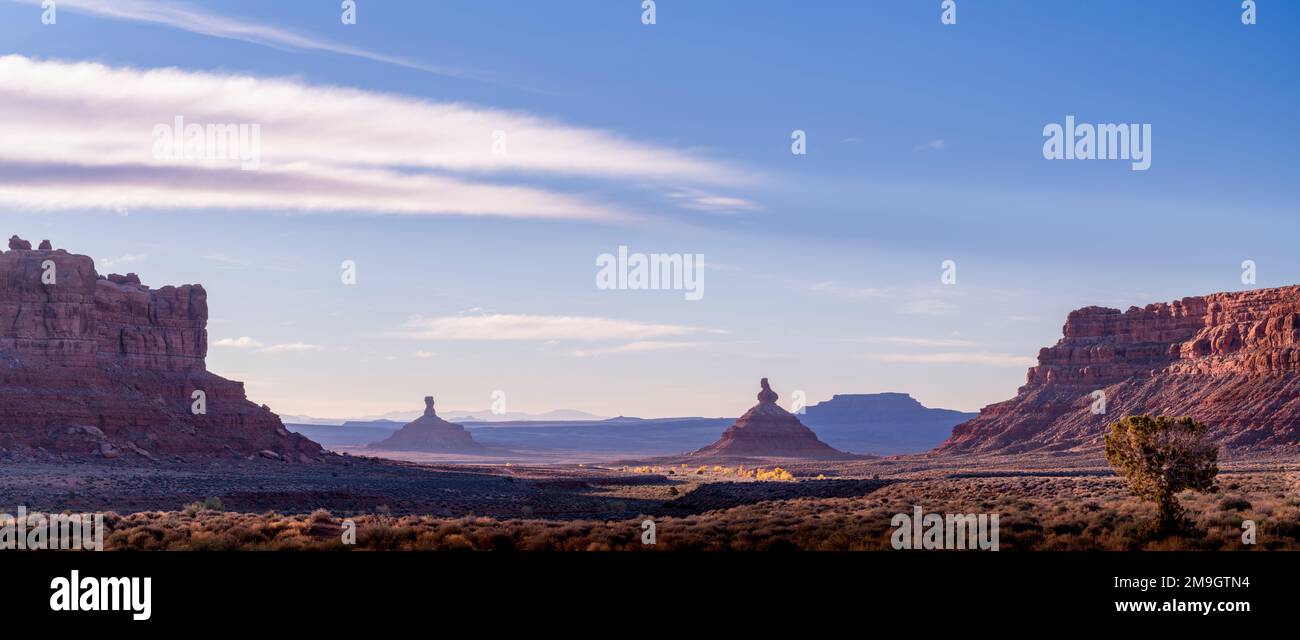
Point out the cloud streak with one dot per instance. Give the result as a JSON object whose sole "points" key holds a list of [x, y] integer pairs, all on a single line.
{"points": [[194, 20], [83, 135], [981, 358], [641, 346], [542, 328], [247, 343], [915, 342]]}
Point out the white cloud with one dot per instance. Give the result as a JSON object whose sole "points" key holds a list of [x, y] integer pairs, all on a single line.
{"points": [[711, 202], [848, 291], [245, 342], [424, 354], [291, 347], [242, 342], [982, 358], [177, 15], [130, 258], [542, 328], [926, 307], [915, 342], [642, 346], [81, 135]]}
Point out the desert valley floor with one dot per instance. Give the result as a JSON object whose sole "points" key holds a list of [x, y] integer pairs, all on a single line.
{"points": [[1046, 502]]}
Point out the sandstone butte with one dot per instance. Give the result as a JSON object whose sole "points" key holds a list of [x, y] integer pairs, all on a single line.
{"points": [[98, 366], [430, 433], [768, 431], [1230, 360]]}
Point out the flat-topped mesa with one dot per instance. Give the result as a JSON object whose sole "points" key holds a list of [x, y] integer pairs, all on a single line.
{"points": [[768, 431], [431, 434], [55, 306], [104, 365], [1231, 360]]}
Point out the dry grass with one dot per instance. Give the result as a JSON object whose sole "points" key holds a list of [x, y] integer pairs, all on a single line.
{"points": [[1036, 513]]}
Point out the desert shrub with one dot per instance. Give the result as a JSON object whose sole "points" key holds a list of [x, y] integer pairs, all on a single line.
{"points": [[1161, 457], [212, 503], [1234, 504]]}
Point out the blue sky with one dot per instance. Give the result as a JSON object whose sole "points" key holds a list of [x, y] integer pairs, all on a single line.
{"points": [[924, 145]]}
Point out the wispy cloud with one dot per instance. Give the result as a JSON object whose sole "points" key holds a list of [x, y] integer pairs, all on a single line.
{"points": [[712, 202], [848, 291], [982, 358], [245, 342], [642, 346], [542, 328], [178, 15], [291, 347], [926, 307], [82, 135], [242, 342], [130, 258], [914, 342]]}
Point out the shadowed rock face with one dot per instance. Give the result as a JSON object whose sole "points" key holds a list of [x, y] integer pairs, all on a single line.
{"points": [[767, 430], [432, 434], [1230, 360], [94, 366]]}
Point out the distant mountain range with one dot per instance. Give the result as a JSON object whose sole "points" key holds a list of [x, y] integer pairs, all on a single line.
{"points": [[486, 415], [882, 423]]}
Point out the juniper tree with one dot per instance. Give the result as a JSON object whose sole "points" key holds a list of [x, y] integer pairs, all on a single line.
{"points": [[1160, 457]]}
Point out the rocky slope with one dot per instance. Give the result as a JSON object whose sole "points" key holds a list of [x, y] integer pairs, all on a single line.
{"points": [[103, 366], [432, 434], [767, 430], [1231, 360]]}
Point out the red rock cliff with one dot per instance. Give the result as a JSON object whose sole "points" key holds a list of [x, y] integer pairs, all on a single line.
{"points": [[1231, 360], [105, 366]]}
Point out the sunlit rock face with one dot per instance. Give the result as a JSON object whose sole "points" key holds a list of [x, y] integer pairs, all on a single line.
{"points": [[1230, 360], [104, 366], [767, 430]]}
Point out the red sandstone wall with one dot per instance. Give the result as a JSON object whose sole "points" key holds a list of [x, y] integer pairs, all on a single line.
{"points": [[1231, 359]]}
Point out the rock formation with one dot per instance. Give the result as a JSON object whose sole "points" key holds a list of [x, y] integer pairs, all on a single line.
{"points": [[104, 366], [1230, 360], [431, 434], [881, 423], [768, 431]]}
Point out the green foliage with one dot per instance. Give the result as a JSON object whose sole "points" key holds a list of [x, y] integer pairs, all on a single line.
{"points": [[213, 503], [1160, 457]]}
